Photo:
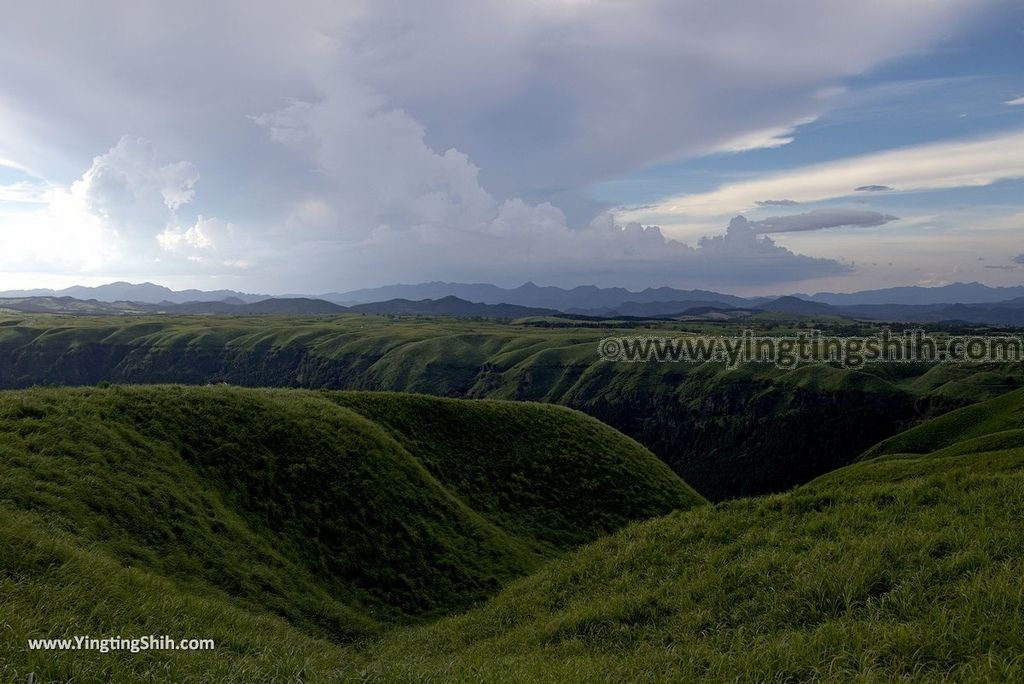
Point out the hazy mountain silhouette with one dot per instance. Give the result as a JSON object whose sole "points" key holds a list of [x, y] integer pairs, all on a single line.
{"points": [[956, 293]]}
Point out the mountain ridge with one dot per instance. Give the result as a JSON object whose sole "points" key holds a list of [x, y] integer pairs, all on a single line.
{"points": [[575, 299], [959, 302], [275, 306]]}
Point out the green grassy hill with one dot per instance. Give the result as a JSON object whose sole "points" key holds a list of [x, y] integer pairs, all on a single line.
{"points": [[892, 569], [285, 522], [323, 536], [994, 424]]}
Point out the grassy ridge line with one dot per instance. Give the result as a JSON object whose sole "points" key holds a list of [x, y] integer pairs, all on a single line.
{"points": [[289, 505], [588, 479]]}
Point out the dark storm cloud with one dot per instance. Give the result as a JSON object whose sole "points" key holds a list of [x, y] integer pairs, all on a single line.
{"points": [[776, 203], [820, 219]]}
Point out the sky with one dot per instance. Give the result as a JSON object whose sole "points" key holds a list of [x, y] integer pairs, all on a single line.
{"points": [[309, 147]]}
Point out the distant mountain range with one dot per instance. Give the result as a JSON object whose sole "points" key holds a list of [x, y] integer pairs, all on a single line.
{"points": [[585, 298], [956, 293], [959, 302], [145, 293], [294, 306], [658, 309], [451, 306], [1006, 313]]}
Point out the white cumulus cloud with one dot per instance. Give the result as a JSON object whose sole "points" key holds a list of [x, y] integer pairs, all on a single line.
{"points": [[134, 193]]}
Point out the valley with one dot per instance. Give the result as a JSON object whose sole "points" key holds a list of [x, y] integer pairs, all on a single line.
{"points": [[727, 432]]}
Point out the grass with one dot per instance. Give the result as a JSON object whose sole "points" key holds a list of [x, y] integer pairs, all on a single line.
{"points": [[334, 536], [256, 513], [589, 480], [54, 585]]}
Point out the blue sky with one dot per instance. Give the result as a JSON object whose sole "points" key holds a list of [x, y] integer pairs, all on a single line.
{"points": [[956, 89], [327, 146], [960, 88]]}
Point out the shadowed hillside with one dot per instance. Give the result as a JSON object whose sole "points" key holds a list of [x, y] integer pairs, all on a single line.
{"points": [[291, 505]]}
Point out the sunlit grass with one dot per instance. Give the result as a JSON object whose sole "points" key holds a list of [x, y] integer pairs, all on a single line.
{"points": [[321, 517]]}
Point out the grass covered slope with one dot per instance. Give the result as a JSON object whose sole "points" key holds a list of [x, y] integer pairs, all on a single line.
{"points": [[589, 480], [131, 511], [891, 569], [994, 424], [287, 511]]}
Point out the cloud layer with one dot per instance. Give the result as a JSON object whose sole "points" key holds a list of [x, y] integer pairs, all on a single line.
{"points": [[321, 145], [776, 203], [819, 219]]}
